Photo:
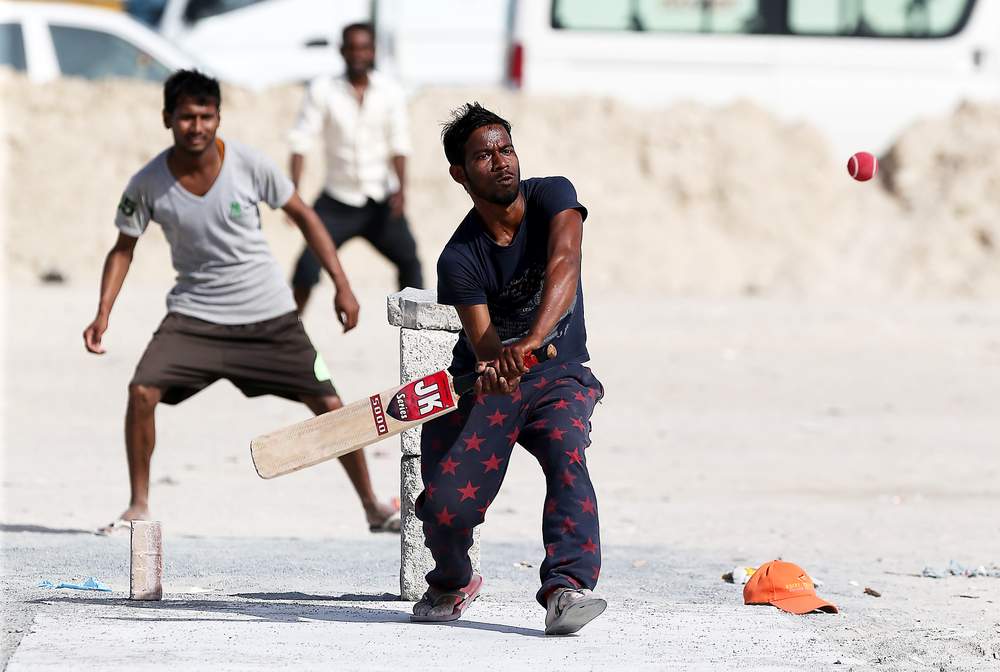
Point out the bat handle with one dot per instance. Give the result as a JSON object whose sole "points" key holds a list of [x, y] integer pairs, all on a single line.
{"points": [[466, 381], [540, 355]]}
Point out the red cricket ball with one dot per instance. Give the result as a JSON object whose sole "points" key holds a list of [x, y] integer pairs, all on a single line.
{"points": [[862, 166]]}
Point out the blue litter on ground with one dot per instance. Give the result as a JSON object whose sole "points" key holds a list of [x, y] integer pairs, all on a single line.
{"points": [[89, 584]]}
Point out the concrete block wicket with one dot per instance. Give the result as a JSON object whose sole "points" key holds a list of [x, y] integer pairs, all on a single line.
{"points": [[427, 333]]}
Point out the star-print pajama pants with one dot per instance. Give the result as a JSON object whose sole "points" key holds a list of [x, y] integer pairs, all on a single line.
{"points": [[464, 457]]}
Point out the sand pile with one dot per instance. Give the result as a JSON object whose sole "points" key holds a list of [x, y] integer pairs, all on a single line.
{"points": [[945, 175], [686, 200]]}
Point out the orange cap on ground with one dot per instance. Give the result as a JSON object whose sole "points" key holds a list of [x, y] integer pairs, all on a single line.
{"points": [[785, 586]]}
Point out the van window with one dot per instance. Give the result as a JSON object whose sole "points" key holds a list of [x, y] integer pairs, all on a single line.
{"points": [[202, 9], [12, 46], [835, 18], [94, 54], [607, 15], [884, 18]]}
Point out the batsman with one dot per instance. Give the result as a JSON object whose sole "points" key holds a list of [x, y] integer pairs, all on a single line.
{"points": [[512, 271]]}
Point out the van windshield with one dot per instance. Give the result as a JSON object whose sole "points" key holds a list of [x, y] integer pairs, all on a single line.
{"points": [[833, 18]]}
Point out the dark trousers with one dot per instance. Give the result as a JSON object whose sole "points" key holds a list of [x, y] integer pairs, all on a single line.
{"points": [[374, 222], [464, 457]]}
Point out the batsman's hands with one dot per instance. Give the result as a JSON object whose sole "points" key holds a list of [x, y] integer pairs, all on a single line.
{"points": [[510, 363], [346, 307], [489, 382], [93, 333]]}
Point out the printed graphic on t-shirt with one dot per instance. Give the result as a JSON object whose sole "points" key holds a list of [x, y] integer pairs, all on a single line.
{"points": [[126, 206], [513, 310]]}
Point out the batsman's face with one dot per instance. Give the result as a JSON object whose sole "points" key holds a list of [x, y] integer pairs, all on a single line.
{"points": [[193, 124], [492, 171]]}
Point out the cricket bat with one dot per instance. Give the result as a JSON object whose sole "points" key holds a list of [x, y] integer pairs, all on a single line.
{"points": [[367, 421]]}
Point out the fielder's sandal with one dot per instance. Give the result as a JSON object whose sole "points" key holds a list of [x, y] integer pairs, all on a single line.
{"points": [[440, 607], [390, 523], [113, 527], [569, 609]]}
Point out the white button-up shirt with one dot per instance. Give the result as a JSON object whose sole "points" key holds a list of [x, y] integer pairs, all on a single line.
{"points": [[360, 139]]}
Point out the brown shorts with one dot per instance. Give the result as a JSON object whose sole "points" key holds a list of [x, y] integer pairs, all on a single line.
{"points": [[275, 357]]}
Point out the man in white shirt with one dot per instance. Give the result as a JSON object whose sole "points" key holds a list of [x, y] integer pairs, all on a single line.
{"points": [[363, 121]]}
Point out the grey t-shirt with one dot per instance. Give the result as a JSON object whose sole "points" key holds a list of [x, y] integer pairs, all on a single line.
{"points": [[226, 273]]}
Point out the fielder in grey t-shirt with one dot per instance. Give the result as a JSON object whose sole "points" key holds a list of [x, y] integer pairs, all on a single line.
{"points": [[231, 313], [226, 273]]}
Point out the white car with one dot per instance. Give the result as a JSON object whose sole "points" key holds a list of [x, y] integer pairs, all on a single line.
{"points": [[48, 40], [259, 43]]}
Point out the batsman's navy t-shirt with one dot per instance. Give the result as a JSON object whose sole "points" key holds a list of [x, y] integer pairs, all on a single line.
{"points": [[473, 269]]}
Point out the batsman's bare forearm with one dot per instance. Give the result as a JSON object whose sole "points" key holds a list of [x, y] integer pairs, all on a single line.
{"points": [[562, 273], [317, 239], [116, 265], [478, 327], [296, 165]]}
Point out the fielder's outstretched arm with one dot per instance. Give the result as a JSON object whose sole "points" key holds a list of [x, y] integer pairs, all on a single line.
{"points": [[319, 241], [116, 266]]}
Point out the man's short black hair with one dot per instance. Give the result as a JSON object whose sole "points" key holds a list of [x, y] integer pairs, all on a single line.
{"points": [[367, 27], [191, 84], [464, 121]]}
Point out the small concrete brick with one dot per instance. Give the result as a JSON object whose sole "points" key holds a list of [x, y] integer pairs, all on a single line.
{"points": [[415, 559], [418, 309], [409, 442], [422, 353]]}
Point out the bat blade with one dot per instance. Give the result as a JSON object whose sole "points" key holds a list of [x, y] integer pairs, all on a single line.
{"points": [[365, 422], [354, 426]]}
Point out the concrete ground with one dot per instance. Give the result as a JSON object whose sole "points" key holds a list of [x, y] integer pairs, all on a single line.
{"points": [[857, 440], [304, 604]]}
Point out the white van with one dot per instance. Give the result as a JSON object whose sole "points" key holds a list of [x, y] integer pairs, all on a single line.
{"points": [[257, 43], [443, 42], [260, 43], [860, 70]]}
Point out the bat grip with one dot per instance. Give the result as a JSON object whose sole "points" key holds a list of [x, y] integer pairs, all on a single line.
{"points": [[540, 355], [466, 381]]}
